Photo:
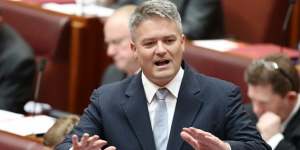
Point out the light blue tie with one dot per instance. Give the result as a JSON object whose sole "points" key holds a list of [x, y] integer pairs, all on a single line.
{"points": [[160, 121]]}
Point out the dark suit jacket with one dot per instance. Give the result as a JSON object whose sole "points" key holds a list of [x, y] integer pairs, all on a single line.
{"points": [[291, 135], [17, 70], [112, 74], [201, 19], [118, 113]]}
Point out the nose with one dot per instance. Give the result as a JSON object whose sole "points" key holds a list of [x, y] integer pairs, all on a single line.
{"points": [[258, 110], [160, 48], [111, 50]]}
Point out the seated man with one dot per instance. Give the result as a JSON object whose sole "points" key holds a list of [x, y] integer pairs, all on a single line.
{"points": [[117, 37], [166, 106], [17, 70], [273, 87]]}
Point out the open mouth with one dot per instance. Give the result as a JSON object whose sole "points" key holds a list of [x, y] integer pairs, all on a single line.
{"points": [[161, 62]]}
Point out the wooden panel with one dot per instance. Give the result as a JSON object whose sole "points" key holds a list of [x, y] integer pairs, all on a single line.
{"points": [[255, 21]]}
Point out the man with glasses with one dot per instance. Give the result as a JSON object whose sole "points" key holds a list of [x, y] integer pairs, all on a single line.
{"points": [[117, 37], [273, 87]]}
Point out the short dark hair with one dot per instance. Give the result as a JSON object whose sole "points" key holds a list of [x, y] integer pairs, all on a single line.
{"points": [[276, 70]]}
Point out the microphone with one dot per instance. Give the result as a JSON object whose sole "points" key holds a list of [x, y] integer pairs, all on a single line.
{"points": [[288, 15], [41, 68], [286, 23]]}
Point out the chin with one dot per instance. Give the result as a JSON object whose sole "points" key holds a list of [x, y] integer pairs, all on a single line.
{"points": [[165, 75]]}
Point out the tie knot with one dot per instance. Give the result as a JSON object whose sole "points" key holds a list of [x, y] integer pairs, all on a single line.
{"points": [[161, 93]]}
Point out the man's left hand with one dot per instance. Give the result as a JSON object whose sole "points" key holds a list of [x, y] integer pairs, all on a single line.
{"points": [[201, 140]]}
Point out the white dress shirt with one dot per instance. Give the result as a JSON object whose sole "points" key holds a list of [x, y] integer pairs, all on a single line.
{"points": [[173, 86]]}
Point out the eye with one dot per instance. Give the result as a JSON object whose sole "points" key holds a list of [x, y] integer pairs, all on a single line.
{"points": [[148, 44], [170, 40]]}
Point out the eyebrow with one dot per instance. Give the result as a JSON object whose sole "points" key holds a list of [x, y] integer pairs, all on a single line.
{"points": [[163, 37]]}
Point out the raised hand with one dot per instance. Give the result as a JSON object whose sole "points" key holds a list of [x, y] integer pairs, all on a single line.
{"points": [[201, 140], [89, 143]]}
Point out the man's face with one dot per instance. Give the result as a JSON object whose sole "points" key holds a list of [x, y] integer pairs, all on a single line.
{"points": [[265, 100], [158, 45], [117, 37]]}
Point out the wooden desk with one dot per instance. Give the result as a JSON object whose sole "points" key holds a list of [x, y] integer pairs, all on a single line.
{"points": [[10, 141]]}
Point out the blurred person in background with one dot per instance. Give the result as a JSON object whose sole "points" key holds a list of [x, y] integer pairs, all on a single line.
{"points": [[201, 19], [17, 70], [273, 87], [117, 37]]}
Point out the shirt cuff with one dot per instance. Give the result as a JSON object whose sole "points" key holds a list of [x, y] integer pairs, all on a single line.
{"points": [[228, 146], [274, 140]]}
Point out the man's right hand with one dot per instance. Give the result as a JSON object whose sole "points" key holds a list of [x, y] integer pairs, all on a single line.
{"points": [[269, 124], [89, 143]]}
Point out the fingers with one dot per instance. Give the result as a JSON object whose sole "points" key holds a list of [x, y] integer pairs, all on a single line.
{"points": [[199, 135], [89, 143], [98, 144], [200, 139], [189, 139], [75, 142], [84, 140]]}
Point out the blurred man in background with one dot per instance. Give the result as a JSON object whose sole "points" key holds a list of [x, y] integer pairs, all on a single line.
{"points": [[17, 70], [201, 19], [117, 37], [273, 87]]}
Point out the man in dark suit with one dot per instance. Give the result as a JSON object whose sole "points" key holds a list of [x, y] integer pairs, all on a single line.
{"points": [[273, 86], [167, 106], [17, 70], [117, 37]]}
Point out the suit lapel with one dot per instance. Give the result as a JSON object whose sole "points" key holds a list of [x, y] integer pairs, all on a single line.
{"points": [[136, 110], [187, 108]]}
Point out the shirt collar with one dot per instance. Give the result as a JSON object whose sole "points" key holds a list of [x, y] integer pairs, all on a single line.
{"points": [[292, 114], [173, 86]]}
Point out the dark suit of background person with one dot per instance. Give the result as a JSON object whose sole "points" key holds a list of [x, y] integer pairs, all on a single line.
{"points": [[118, 113], [112, 74], [17, 70], [292, 132], [201, 19]]}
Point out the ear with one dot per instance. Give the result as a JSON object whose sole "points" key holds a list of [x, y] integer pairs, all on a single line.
{"points": [[182, 41], [292, 96], [133, 48]]}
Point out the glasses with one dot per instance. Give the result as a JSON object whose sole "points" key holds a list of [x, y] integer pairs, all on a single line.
{"points": [[273, 66]]}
